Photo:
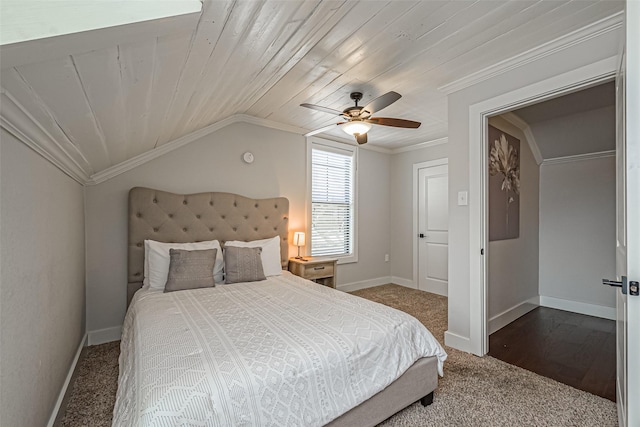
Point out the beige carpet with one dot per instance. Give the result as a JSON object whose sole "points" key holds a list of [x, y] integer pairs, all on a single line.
{"points": [[474, 391]]}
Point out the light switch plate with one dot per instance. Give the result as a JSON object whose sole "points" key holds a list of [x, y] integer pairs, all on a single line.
{"points": [[463, 198]]}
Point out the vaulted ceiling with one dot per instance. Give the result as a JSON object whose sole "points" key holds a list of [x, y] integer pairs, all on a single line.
{"points": [[104, 105], [579, 123]]}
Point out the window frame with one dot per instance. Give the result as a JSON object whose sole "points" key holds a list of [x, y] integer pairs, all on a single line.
{"points": [[320, 143]]}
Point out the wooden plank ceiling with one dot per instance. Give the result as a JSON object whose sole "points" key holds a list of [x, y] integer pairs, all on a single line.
{"points": [[265, 58]]}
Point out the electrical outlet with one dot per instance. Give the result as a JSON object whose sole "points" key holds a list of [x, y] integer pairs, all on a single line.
{"points": [[386, 257]]}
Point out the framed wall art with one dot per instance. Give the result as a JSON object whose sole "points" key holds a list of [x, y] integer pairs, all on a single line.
{"points": [[504, 185]]}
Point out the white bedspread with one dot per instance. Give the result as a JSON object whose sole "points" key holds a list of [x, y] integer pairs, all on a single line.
{"points": [[281, 352]]}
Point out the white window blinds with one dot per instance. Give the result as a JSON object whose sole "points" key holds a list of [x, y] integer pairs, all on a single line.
{"points": [[332, 208]]}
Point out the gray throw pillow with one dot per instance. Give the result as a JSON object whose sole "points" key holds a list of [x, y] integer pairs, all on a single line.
{"points": [[190, 269], [242, 265]]}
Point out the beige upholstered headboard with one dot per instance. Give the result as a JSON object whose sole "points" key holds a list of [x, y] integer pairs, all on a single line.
{"points": [[176, 218]]}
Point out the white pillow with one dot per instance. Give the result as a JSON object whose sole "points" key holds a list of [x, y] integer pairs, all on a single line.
{"points": [[157, 259], [270, 253]]}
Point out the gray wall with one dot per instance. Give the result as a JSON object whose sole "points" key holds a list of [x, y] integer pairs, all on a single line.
{"points": [[373, 219], [42, 282], [460, 280], [513, 263], [585, 132], [401, 200], [577, 230], [214, 163]]}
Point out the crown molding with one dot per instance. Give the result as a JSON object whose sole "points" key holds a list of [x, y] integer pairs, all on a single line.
{"points": [[578, 36], [421, 145], [578, 158], [16, 120], [517, 121]]}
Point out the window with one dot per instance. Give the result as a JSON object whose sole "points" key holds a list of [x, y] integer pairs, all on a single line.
{"points": [[332, 200]]}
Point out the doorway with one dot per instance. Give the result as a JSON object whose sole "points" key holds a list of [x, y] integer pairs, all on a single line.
{"points": [[560, 187], [479, 113]]}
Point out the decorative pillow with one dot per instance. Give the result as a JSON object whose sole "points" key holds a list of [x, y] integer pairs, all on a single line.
{"points": [[190, 269], [156, 260], [242, 265], [270, 253]]}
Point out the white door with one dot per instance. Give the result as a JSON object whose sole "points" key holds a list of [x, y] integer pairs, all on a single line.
{"points": [[628, 224], [433, 229]]}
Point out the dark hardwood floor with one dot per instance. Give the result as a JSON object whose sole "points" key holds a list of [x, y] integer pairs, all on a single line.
{"points": [[574, 349]]}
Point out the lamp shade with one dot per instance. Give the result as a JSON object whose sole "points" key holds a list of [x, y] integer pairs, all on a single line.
{"points": [[357, 126], [298, 238]]}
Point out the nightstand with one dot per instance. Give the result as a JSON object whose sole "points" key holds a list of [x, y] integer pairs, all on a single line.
{"points": [[321, 271]]}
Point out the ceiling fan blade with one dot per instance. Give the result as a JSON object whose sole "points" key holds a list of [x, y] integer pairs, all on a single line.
{"points": [[388, 121], [380, 102], [361, 138], [323, 109], [324, 129]]}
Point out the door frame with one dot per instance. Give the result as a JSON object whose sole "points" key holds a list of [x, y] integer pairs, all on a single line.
{"points": [[416, 219], [581, 78], [632, 81]]}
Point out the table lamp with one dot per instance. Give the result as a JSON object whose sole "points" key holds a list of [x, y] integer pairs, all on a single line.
{"points": [[298, 240]]}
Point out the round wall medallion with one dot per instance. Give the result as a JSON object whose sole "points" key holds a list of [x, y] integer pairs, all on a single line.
{"points": [[248, 157]]}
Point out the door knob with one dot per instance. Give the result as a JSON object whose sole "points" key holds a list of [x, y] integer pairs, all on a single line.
{"points": [[421, 235]]}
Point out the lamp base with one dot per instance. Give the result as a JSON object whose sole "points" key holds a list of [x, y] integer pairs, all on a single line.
{"points": [[300, 258]]}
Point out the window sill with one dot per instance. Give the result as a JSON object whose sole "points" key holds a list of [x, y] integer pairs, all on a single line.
{"points": [[348, 259]]}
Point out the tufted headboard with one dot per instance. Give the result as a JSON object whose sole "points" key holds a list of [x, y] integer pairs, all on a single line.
{"points": [[176, 218]]}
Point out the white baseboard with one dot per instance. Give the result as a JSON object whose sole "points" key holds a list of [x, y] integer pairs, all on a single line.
{"points": [[501, 320], [63, 391], [457, 341], [438, 288], [106, 335], [363, 284], [407, 283], [579, 307]]}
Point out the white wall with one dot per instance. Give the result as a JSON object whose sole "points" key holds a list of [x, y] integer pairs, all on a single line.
{"points": [[401, 200], [42, 283], [461, 281], [513, 263], [577, 230], [214, 163]]}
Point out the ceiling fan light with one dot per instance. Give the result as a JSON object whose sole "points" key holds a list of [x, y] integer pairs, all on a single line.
{"points": [[356, 127]]}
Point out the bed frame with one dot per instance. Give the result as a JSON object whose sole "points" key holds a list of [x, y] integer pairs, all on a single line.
{"points": [[174, 218]]}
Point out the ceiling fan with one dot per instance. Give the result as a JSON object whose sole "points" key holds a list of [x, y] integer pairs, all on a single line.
{"points": [[359, 120]]}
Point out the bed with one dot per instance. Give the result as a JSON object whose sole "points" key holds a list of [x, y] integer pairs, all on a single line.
{"points": [[281, 351]]}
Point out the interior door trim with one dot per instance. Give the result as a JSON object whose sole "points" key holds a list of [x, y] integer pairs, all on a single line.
{"points": [[583, 77]]}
